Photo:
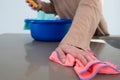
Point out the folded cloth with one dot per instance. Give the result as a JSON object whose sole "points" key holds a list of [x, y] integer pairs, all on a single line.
{"points": [[88, 71], [41, 15]]}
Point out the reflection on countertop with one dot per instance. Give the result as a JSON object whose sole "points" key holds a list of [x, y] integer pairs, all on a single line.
{"points": [[22, 58], [38, 60], [112, 40]]}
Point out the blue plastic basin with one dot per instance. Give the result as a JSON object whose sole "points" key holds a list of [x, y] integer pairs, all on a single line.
{"points": [[49, 30]]}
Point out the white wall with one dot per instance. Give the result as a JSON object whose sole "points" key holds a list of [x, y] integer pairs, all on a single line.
{"points": [[13, 13], [112, 15]]}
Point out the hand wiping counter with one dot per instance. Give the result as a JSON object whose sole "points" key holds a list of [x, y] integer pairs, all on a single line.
{"points": [[87, 72]]}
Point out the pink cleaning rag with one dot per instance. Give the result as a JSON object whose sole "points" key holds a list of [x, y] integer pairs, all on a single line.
{"points": [[90, 70]]}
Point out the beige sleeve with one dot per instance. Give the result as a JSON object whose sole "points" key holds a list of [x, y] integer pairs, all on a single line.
{"points": [[84, 24], [102, 29], [48, 7]]}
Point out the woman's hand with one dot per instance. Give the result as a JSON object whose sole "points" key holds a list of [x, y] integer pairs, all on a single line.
{"points": [[37, 2], [80, 54]]}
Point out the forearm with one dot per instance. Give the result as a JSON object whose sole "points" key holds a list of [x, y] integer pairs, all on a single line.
{"points": [[102, 29], [48, 7], [84, 24]]}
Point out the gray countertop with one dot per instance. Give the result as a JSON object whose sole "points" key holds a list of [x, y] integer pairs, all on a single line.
{"points": [[22, 58]]}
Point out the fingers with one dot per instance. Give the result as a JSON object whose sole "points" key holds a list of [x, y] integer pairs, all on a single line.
{"points": [[33, 6], [77, 53], [30, 5], [61, 54], [27, 1], [82, 58], [88, 56], [82, 55]]}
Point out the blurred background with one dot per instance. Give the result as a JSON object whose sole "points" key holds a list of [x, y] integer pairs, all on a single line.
{"points": [[13, 13]]}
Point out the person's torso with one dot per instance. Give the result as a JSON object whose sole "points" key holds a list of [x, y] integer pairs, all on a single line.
{"points": [[66, 8]]}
